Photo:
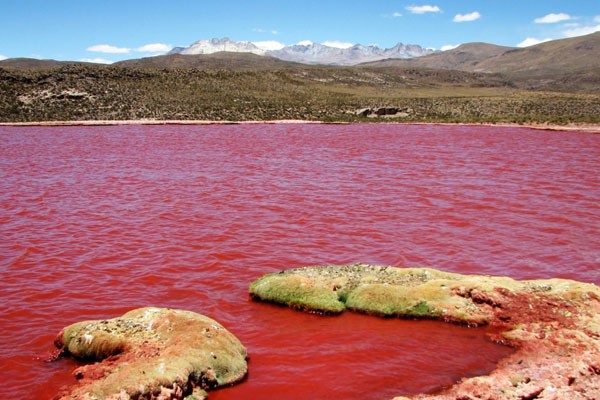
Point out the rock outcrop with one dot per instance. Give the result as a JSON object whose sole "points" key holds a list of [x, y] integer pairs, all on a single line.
{"points": [[152, 353], [553, 324], [393, 112]]}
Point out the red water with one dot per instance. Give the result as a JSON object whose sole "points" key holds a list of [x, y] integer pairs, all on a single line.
{"points": [[95, 221]]}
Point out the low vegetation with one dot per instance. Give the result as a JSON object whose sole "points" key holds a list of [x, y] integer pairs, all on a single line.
{"points": [[132, 91]]}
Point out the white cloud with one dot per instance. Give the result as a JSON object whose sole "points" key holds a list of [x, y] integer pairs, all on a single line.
{"points": [[580, 31], [531, 42], [305, 43], [260, 30], [2, 57], [392, 15], [467, 17], [269, 45], [338, 44], [96, 60], [154, 48], [105, 48], [423, 9], [552, 18], [597, 18], [449, 47]]}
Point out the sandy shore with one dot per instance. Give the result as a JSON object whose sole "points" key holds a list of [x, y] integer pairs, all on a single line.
{"points": [[568, 128]]}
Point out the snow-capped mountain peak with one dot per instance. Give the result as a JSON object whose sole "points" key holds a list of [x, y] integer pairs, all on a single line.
{"points": [[224, 44], [308, 52]]}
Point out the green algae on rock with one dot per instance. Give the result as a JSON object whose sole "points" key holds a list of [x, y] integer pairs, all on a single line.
{"points": [[383, 291], [152, 353], [554, 324]]}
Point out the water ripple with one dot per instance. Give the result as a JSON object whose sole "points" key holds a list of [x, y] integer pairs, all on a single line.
{"points": [[97, 220]]}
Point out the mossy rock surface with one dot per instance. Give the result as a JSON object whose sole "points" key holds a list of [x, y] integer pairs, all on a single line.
{"points": [[554, 324], [152, 353], [379, 290]]}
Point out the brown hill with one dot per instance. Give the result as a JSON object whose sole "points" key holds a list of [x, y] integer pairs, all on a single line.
{"points": [[549, 59], [565, 56], [465, 57], [34, 64], [571, 65], [220, 60]]}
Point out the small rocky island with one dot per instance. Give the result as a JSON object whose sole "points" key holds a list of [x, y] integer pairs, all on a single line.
{"points": [[553, 324], [152, 353]]}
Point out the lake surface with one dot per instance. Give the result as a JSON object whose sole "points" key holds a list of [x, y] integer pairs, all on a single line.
{"points": [[95, 221]]}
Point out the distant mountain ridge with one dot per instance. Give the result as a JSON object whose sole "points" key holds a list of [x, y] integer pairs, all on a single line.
{"points": [[240, 61], [33, 64], [552, 58], [308, 53], [316, 53], [465, 57]]}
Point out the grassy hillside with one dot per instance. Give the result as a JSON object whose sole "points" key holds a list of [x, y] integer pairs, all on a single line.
{"points": [[465, 57], [557, 57], [84, 92]]}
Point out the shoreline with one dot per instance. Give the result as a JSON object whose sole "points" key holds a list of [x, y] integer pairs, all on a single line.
{"points": [[567, 128], [158, 122]]}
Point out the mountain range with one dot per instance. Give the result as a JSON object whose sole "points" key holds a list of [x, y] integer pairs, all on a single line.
{"points": [[308, 52], [552, 82], [571, 64]]}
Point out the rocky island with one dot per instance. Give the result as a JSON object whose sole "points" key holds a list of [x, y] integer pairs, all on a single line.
{"points": [[152, 353], [553, 324]]}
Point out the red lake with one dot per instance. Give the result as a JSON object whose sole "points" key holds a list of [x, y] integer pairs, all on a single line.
{"points": [[96, 221]]}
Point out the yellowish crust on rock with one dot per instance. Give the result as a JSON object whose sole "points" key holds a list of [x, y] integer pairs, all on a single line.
{"points": [[554, 324], [152, 353]]}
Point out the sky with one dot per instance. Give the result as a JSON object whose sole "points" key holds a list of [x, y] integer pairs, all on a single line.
{"points": [[113, 30]]}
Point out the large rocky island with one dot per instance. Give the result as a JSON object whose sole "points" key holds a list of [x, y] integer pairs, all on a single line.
{"points": [[553, 324]]}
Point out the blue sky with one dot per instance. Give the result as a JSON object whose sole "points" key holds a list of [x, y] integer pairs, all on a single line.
{"points": [[113, 30]]}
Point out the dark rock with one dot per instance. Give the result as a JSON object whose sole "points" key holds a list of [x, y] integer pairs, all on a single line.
{"points": [[386, 111], [363, 112]]}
